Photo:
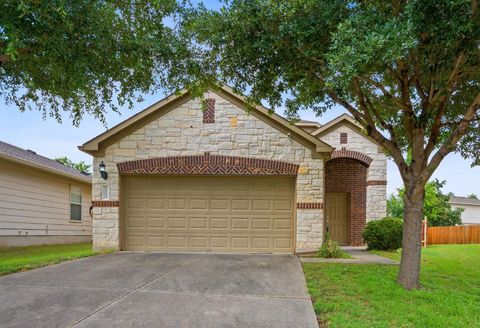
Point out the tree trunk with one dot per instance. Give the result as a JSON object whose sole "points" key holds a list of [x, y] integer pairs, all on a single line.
{"points": [[409, 273]]}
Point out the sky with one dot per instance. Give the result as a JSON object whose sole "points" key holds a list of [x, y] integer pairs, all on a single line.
{"points": [[49, 138]]}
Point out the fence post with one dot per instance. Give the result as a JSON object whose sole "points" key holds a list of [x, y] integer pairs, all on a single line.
{"points": [[424, 232]]}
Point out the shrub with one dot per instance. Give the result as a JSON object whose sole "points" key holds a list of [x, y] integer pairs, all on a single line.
{"points": [[384, 234], [330, 249]]}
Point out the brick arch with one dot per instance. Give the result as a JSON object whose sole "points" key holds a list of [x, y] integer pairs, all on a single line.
{"points": [[352, 154], [346, 175], [208, 165]]}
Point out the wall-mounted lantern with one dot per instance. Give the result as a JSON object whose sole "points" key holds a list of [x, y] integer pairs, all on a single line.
{"points": [[102, 170]]}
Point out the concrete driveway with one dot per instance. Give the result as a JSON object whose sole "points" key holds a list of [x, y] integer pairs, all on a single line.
{"points": [[160, 290]]}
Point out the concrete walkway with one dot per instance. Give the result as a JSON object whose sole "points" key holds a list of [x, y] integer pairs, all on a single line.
{"points": [[360, 256], [130, 289]]}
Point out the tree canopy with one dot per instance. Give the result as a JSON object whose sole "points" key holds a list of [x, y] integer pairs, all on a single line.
{"points": [[407, 71], [437, 208], [80, 166], [82, 56]]}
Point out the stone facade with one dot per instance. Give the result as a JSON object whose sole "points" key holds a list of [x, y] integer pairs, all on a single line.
{"points": [[227, 133], [376, 207], [233, 132]]}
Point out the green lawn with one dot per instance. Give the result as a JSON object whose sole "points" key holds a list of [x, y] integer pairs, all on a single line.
{"points": [[347, 295], [13, 259]]}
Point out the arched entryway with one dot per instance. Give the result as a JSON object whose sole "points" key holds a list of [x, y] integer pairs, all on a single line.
{"points": [[345, 200]]}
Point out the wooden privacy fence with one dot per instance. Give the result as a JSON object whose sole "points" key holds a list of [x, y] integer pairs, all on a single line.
{"points": [[468, 234]]}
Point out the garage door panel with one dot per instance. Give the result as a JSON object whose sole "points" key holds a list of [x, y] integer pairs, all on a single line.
{"points": [[240, 223], [198, 223], [225, 214], [156, 223], [198, 204]]}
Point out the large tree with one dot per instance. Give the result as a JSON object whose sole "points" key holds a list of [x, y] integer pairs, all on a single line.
{"points": [[436, 206], [408, 71], [82, 56]]}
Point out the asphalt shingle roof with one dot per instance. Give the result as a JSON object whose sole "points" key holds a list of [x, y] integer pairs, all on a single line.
{"points": [[464, 200], [38, 160]]}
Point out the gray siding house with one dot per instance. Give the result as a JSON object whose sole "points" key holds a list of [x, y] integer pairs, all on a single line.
{"points": [[41, 200]]}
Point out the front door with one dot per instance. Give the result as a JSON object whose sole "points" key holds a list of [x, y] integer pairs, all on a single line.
{"points": [[337, 216]]}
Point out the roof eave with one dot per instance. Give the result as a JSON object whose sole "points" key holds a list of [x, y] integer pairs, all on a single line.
{"points": [[45, 168]]}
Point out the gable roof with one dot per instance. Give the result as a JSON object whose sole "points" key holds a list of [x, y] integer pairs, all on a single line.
{"points": [[32, 159], [343, 119], [308, 123], [171, 102], [464, 201]]}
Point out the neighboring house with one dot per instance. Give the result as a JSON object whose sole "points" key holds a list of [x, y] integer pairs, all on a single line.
{"points": [[470, 206], [41, 200], [228, 179]]}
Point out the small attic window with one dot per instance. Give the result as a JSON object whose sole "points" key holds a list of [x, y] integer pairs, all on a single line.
{"points": [[343, 138]]}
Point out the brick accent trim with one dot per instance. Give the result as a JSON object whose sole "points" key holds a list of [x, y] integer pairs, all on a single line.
{"points": [[208, 165], [346, 175], [376, 182], [352, 154], [310, 206], [105, 203], [209, 112]]}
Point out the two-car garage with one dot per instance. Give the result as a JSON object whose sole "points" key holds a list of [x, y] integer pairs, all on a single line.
{"points": [[208, 213]]}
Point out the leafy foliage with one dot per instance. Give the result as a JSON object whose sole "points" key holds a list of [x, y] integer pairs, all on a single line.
{"points": [[409, 79], [408, 71], [80, 166], [472, 196], [384, 234], [330, 249], [436, 209], [82, 56]]}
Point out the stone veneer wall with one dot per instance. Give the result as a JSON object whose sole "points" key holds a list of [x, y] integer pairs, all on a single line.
{"points": [[181, 132], [376, 172]]}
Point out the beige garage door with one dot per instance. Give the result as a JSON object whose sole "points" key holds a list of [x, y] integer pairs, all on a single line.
{"points": [[219, 214]]}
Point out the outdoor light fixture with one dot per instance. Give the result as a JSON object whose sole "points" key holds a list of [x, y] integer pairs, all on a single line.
{"points": [[102, 170]]}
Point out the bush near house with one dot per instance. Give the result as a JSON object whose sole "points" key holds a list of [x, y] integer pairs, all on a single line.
{"points": [[330, 249], [384, 234]]}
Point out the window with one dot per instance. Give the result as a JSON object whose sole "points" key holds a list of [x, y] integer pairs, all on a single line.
{"points": [[105, 192], [75, 203]]}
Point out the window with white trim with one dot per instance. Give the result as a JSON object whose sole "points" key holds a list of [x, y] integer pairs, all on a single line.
{"points": [[75, 203]]}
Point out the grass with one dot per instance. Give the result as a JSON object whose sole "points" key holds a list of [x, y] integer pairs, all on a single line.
{"points": [[14, 259], [349, 295]]}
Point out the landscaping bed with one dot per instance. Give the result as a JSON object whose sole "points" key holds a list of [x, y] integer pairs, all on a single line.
{"points": [[14, 259], [346, 295]]}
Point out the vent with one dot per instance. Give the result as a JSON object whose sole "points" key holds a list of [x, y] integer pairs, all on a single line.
{"points": [[209, 112], [343, 138], [31, 151]]}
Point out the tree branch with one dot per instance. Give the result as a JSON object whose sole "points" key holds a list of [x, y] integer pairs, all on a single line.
{"points": [[452, 141]]}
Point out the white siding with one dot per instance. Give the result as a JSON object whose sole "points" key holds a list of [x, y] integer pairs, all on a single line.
{"points": [[471, 213]]}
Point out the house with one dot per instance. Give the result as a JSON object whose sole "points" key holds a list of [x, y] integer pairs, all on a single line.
{"points": [[470, 206], [41, 200], [231, 178]]}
